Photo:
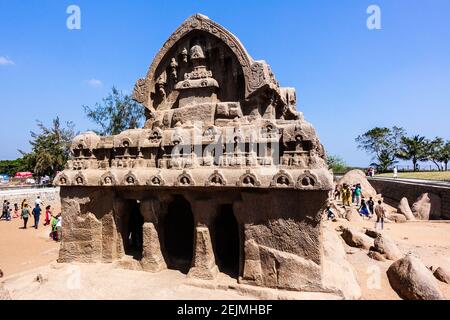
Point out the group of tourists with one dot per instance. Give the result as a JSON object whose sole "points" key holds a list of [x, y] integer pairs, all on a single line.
{"points": [[349, 194], [353, 195], [26, 211]]}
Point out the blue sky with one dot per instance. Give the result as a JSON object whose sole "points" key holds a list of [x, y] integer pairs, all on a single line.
{"points": [[348, 78]]}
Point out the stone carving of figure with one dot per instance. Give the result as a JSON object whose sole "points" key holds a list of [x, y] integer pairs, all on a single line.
{"points": [[283, 181], [108, 181], [184, 55], [130, 180], [160, 85], [79, 180], [248, 181], [173, 69], [184, 181], [62, 180], [216, 180], [156, 181], [197, 52]]}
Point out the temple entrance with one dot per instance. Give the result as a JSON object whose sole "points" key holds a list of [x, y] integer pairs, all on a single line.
{"points": [[226, 241], [133, 243], [178, 227]]}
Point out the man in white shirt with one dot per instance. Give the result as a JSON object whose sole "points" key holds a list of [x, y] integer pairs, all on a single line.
{"points": [[38, 202]]}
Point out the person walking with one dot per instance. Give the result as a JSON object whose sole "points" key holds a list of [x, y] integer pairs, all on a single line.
{"points": [[25, 215], [38, 201], [371, 205], [36, 215], [358, 193], [380, 211], [48, 214], [346, 195], [8, 211], [364, 209], [4, 209]]}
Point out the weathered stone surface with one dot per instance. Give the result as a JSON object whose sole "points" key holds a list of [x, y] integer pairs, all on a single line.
{"points": [[376, 255], [442, 275], [372, 233], [4, 294], [152, 197], [338, 273], [405, 209], [357, 239], [398, 218], [204, 263], [385, 245], [352, 214], [411, 279], [152, 258], [427, 207], [357, 176]]}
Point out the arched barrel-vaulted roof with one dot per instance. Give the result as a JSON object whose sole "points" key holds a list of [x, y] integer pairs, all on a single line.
{"points": [[256, 73]]}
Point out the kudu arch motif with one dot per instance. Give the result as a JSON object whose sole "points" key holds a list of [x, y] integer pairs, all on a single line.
{"points": [[221, 137]]}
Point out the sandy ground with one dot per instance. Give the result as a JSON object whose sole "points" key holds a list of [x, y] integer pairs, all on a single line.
{"points": [[428, 240], [25, 254], [21, 249]]}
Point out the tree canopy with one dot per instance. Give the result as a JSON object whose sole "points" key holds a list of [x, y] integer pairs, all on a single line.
{"points": [[383, 143], [50, 148], [116, 113]]}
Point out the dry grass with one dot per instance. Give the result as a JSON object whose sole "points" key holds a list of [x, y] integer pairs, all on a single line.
{"points": [[432, 175]]}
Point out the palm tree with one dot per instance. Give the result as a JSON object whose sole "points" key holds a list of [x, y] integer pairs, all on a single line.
{"points": [[414, 149]]}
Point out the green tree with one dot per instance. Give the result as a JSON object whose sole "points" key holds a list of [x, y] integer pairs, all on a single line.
{"points": [[337, 164], [383, 144], [116, 113], [445, 154], [11, 167], [50, 148], [415, 149], [385, 160], [435, 152]]}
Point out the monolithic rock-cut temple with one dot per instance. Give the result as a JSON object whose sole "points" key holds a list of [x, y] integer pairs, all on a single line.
{"points": [[225, 176]]}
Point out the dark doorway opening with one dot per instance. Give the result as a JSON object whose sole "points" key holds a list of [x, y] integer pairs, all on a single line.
{"points": [[179, 234], [226, 241], [133, 233]]}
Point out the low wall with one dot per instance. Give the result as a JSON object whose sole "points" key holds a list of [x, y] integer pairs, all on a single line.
{"points": [[49, 196], [394, 190]]}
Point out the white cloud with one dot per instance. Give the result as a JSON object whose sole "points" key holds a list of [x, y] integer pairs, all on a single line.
{"points": [[6, 61], [94, 83]]}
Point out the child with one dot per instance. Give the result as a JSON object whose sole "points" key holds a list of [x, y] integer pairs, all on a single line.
{"points": [[16, 211], [48, 214], [330, 214]]}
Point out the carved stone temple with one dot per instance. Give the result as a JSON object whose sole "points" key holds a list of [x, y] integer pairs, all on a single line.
{"points": [[226, 176]]}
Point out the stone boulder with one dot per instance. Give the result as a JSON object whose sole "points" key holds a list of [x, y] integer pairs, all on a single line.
{"points": [[372, 233], [338, 273], [376, 256], [356, 238], [398, 218], [427, 207], [338, 210], [357, 176], [404, 209], [411, 279], [4, 294], [442, 275], [385, 245], [351, 214]]}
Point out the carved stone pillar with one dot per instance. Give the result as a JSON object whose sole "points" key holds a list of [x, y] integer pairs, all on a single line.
{"points": [[203, 262], [152, 258]]}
